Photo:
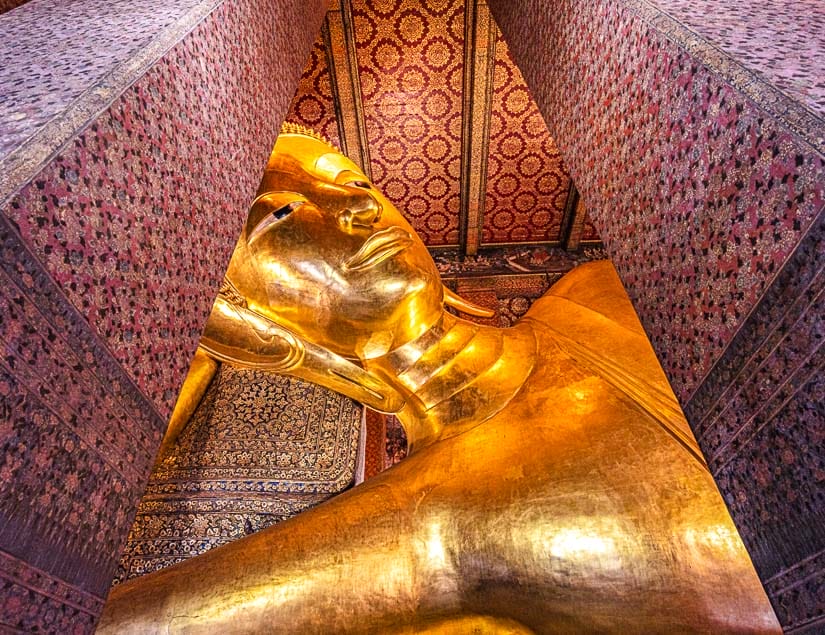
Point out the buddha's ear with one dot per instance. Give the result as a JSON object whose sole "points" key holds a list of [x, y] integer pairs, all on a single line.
{"points": [[240, 336], [460, 304]]}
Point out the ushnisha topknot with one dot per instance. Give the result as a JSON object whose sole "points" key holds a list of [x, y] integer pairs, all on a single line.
{"points": [[289, 127]]}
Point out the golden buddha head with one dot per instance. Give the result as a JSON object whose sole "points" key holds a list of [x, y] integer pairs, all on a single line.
{"points": [[325, 255]]}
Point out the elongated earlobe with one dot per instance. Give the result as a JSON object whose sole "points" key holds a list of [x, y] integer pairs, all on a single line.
{"points": [[460, 304]]}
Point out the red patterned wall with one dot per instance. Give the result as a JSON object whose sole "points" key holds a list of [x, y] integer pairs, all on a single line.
{"points": [[527, 182], [410, 58], [313, 105], [589, 232], [410, 66]]}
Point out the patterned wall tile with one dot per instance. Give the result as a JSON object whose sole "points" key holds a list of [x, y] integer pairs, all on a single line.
{"points": [[782, 42], [40, 80], [675, 189], [410, 64], [313, 105], [706, 188], [527, 182], [109, 258], [260, 448]]}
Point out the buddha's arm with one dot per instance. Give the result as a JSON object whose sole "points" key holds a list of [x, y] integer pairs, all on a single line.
{"points": [[201, 372], [361, 560]]}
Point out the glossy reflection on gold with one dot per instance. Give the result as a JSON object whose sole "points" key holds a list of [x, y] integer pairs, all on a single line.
{"points": [[554, 487]]}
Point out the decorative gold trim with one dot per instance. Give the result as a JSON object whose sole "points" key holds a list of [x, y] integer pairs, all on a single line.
{"points": [[480, 35], [339, 42]]}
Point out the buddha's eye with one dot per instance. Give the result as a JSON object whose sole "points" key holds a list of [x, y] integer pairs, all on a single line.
{"points": [[286, 210], [362, 184]]}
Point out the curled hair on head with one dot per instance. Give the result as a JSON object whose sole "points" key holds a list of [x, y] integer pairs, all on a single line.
{"points": [[288, 127]]}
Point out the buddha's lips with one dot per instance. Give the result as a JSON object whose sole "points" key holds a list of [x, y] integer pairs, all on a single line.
{"points": [[379, 247]]}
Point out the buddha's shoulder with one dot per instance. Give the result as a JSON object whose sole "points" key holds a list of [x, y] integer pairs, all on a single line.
{"points": [[593, 288]]}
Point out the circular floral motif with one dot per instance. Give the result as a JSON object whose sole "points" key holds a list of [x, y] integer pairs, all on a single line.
{"points": [[548, 183], [416, 206], [364, 27], [529, 165], [436, 148], [437, 187], [386, 55], [369, 83], [519, 234], [455, 81], [511, 145], [437, 221], [502, 75], [379, 171], [493, 167], [392, 150], [516, 101], [455, 23], [395, 189], [541, 217], [437, 104], [453, 168], [533, 125], [309, 109], [525, 201], [322, 85], [506, 184], [384, 8], [453, 126], [411, 27], [497, 125], [411, 80], [416, 170], [437, 53], [503, 219], [414, 128], [437, 7], [453, 203]]}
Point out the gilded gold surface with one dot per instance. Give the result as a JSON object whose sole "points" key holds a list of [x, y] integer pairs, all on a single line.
{"points": [[554, 487]]}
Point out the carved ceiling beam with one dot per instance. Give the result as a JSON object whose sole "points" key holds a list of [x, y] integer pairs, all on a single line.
{"points": [[572, 223], [339, 41], [480, 34]]}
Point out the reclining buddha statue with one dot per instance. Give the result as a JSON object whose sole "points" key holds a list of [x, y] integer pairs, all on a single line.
{"points": [[553, 485]]}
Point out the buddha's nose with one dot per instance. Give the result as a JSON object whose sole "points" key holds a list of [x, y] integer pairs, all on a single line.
{"points": [[363, 210]]}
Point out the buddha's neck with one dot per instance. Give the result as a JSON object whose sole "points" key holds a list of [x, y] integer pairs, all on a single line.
{"points": [[456, 375]]}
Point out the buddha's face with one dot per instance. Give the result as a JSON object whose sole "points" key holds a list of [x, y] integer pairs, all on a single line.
{"points": [[326, 255]]}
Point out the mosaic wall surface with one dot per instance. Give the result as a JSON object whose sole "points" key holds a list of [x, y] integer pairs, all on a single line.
{"points": [[705, 187], [410, 63], [62, 74], [313, 105], [783, 42], [110, 258], [527, 183], [259, 449]]}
